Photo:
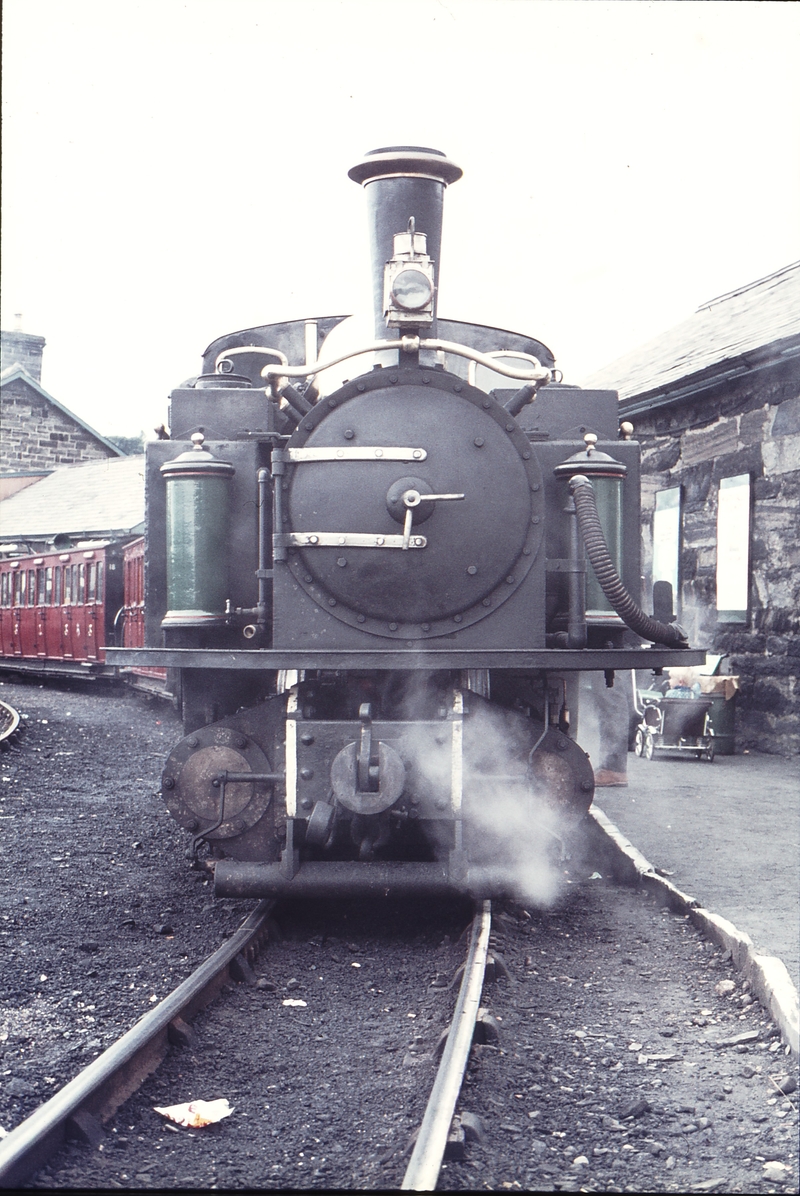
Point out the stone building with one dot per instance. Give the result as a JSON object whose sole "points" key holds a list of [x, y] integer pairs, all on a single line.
{"points": [[715, 403], [37, 433]]}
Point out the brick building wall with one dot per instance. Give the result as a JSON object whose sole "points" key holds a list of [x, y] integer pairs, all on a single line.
{"points": [[750, 425], [37, 435]]}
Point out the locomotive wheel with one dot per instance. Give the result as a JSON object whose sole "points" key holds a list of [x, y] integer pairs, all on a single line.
{"points": [[638, 743], [649, 746]]}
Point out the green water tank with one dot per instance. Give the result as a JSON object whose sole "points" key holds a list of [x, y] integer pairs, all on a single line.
{"points": [[607, 477], [198, 486]]}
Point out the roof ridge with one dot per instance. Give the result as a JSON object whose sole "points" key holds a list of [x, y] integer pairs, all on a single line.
{"points": [[748, 286]]}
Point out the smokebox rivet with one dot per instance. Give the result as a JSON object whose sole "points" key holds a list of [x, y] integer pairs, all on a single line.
{"points": [[535, 486], [458, 388], [472, 570], [331, 402], [362, 619], [307, 738], [308, 579], [487, 602], [349, 433], [307, 773], [192, 824], [478, 442], [331, 602], [426, 626], [425, 379], [526, 552], [486, 404], [360, 386], [587, 786], [393, 377], [306, 803], [192, 741], [509, 427], [534, 518], [457, 618], [308, 426], [241, 742], [526, 456], [393, 627], [169, 782]]}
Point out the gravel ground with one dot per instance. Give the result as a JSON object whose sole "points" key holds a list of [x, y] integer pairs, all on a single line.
{"points": [[598, 989], [100, 915]]}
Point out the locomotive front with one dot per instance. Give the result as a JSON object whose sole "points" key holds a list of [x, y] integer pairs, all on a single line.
{"points": [[376, 601]]}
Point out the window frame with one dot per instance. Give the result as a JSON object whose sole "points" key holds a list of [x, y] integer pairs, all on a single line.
{"points": [[736, 547]]}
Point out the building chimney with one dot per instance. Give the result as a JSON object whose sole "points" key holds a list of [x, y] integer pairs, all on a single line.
{"points": [[22, 348]]}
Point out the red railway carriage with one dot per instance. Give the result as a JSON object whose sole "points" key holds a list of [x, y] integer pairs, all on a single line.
{"points": [[130, 620], [58, 608]]}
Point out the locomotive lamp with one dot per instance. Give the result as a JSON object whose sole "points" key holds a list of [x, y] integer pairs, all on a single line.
{"points": [[408, 281], [197, 537], [606, 476]]}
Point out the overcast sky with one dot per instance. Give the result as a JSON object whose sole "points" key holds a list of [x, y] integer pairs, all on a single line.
{"points": [[177, 170]]}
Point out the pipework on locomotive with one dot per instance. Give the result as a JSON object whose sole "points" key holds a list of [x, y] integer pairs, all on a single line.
{"points": [[377, 600]]}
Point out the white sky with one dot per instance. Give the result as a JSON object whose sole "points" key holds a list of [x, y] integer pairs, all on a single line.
{"points": [[177, 170]]}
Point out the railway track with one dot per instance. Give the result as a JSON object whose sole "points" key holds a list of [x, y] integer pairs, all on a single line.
{"points": [[9, 722], [98, 1091], [612, 1065], [88, 1101]]}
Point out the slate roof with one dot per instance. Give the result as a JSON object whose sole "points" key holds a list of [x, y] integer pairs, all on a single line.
{"points": [[730, 335], [12, 372], [89, 499]]}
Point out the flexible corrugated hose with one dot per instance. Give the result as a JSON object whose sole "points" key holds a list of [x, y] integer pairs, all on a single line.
{"points": [[610, 582]]}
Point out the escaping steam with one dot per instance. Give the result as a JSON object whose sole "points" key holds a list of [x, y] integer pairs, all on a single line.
{"points": [[513, 834]]}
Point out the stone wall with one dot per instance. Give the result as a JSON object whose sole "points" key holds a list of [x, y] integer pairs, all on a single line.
{"points": [[35, 434], [749, 425]]}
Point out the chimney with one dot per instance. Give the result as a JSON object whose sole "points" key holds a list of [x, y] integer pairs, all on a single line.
{"points": [[403, 182], [22, 348]]}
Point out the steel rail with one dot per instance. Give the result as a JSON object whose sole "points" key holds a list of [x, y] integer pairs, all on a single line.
{"points": [[9, 721], [104, 1084], [426, 1160]]}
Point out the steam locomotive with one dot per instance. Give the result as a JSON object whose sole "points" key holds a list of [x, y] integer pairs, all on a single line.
{"points": [[379, 598]]}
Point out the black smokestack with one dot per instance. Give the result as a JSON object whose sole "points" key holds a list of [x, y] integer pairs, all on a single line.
{"points": [[403, 181]]}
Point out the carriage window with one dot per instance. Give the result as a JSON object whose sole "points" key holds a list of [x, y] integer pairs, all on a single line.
{"points": [[81, 585], [18, 588], [67, 584], [99, 586], [4, 590], [31, 587], [91, 578], [667, 538], [48, 585], [57, 587], [733, 549], [39, 587]]}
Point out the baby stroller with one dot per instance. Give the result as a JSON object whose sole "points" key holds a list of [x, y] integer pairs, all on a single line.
{"points": [[675, 725]]}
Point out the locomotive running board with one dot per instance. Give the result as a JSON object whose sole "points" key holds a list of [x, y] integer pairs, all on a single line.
{"points": [[392, 878], [418, 657]]}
